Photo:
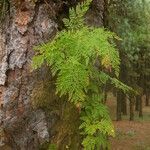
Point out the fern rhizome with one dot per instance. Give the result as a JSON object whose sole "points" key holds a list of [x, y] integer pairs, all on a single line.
{"points": [[79, 57]]}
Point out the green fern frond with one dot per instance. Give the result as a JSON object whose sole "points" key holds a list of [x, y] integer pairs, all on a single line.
{"points": [[73, 56], [73, 79]]}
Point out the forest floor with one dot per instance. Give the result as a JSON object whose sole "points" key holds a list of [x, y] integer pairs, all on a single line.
{"points": [[130, 135]]}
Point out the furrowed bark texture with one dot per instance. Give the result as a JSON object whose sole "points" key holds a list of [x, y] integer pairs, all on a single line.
{"points": [[22, 126]]}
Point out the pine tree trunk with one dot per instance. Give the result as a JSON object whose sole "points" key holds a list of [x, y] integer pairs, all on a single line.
{"points": [[124, 104], [147, 99], [141, 85], [140, 106], [26, 25], [137, 103], [131, 99], [121, 97], [119, 100]]}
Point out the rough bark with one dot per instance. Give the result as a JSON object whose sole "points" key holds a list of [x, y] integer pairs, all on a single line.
{"points": [[23, 126], [95, 15]]}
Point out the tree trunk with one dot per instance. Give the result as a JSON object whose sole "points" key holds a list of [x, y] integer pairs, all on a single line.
{"points": [[95, 15], [26, 25], [119, 100], [137, 103], [131, 99], [140, 106], [124, 104], [147, 99], [24, 122], [121, 97]]}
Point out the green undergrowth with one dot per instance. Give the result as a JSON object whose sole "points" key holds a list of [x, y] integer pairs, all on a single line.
{"points": [[120, 135], [142, 146]]}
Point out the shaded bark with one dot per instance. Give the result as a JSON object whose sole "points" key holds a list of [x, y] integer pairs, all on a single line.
{"points": [[121, 97], [147, 100], [137, 103], [140, 83], [124, 104], [95, 15], [131, 99], [140, 106], [119, 100]]}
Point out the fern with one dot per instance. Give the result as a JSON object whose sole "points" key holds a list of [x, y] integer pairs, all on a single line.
{"points": [[75, 56]]}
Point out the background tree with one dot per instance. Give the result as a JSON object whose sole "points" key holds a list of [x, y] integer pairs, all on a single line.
{"points": [[129, 19]]}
